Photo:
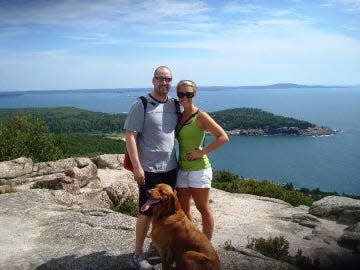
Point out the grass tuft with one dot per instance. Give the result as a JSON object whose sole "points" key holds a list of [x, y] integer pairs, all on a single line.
{"points": [[230, 182], [128, 207], [277, 247]]}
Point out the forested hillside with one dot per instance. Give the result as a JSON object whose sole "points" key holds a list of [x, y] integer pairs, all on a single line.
{"points": [[245, 118], [74, 120], [71, 120], [22, 136]]}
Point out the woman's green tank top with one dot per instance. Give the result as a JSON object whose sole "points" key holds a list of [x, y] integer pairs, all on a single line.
{"points": [[190, 138]]}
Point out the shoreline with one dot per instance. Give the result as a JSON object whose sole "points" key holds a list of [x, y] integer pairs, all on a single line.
{"points": [[284, 131]]}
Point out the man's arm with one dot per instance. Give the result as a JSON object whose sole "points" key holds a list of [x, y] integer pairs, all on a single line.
{"points": [[131, 147]]}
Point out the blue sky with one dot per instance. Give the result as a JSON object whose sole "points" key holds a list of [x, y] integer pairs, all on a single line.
{"points": [[83, 44]]}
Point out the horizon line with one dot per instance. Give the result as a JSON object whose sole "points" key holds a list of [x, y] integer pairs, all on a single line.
{"points": [[275, 85]]}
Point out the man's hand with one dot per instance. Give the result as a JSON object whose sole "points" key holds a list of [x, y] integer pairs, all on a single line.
{"points": [[139, 175]]}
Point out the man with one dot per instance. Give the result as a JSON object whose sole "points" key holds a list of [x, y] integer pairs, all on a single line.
{"points": [[150, 140]]}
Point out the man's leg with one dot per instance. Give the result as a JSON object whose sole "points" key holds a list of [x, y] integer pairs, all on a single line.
{"points": [[141, 230], [137, 259]]}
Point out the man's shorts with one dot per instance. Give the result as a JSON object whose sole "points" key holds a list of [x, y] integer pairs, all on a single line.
{"points": [[194, 179], [151, 180]]}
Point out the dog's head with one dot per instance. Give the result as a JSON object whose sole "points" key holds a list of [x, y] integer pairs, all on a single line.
{"points": [[163, 199]]}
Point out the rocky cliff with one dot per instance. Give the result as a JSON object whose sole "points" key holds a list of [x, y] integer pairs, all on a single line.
{"points": [[284, 131], [72, 226]]}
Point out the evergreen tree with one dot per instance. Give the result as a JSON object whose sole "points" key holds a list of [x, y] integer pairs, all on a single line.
{"points": [[22, 136]]}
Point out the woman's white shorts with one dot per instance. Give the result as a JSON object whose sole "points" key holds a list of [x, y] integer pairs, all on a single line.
{"points": [[194, 179]]}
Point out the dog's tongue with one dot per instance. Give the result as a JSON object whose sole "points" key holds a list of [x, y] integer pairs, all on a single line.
{"points": [[148, 204]]}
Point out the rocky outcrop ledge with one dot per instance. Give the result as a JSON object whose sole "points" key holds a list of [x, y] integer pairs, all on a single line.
{"points": [[73, 227], [284, 131]]}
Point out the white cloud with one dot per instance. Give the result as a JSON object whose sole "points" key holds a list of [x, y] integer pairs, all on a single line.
{"points": [[239, 7], [100, 13], [99, 39], [197, 41], [352, 6]]}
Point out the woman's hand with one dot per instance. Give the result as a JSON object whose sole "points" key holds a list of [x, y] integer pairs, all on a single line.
{"points": [[195, 154]]}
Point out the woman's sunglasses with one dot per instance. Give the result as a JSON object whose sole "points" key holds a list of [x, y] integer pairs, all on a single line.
{"points": [[185, 94]]}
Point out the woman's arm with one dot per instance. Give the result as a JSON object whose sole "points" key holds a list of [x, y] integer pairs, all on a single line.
{"points": [[207, 123]]}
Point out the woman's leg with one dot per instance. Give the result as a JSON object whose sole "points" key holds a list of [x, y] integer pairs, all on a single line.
{"points": [[184, 196], [201, 198]]}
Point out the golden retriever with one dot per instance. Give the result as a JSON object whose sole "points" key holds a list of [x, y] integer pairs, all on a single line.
{"points": [[175, 237]]}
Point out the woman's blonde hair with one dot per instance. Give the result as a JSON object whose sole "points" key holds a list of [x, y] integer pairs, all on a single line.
{"points": [[186, 83]]}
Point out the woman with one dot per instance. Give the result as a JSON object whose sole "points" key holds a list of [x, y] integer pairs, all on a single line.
{"points": [[195, 172]]}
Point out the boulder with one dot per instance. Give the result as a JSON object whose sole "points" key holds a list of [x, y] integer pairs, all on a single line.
{"points": [[38, 233], [69, 174], [342, 209], [111, 161], [21, 183], [5, 189], [44, 168], [304, 220], [119, 191], [351, 237], [247, 259], [15, 168]]}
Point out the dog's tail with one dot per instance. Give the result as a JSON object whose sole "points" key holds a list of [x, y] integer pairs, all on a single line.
{"points": [[192, 260]]}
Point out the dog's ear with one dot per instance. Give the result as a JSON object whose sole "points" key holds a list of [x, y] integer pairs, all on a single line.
{"points": [[175, 201], [170, 205], [173, 204]]}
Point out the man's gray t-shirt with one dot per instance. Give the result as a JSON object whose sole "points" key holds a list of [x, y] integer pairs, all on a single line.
{"points": [[156, 134]]}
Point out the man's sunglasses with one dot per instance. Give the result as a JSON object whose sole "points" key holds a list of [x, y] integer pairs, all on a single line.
{"points": [[166, 79], [185, 94]]}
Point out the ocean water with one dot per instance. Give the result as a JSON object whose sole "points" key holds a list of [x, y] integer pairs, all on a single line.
{"points": [[331, 163]]}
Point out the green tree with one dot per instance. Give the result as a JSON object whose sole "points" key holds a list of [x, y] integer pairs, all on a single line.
{"points": [[22, 136]]}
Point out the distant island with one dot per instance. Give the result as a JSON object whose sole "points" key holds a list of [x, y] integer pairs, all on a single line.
{"points": [[274, 86], [256, 122], [294, 85], [287, 85], [237, 121], [141, 89]]}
